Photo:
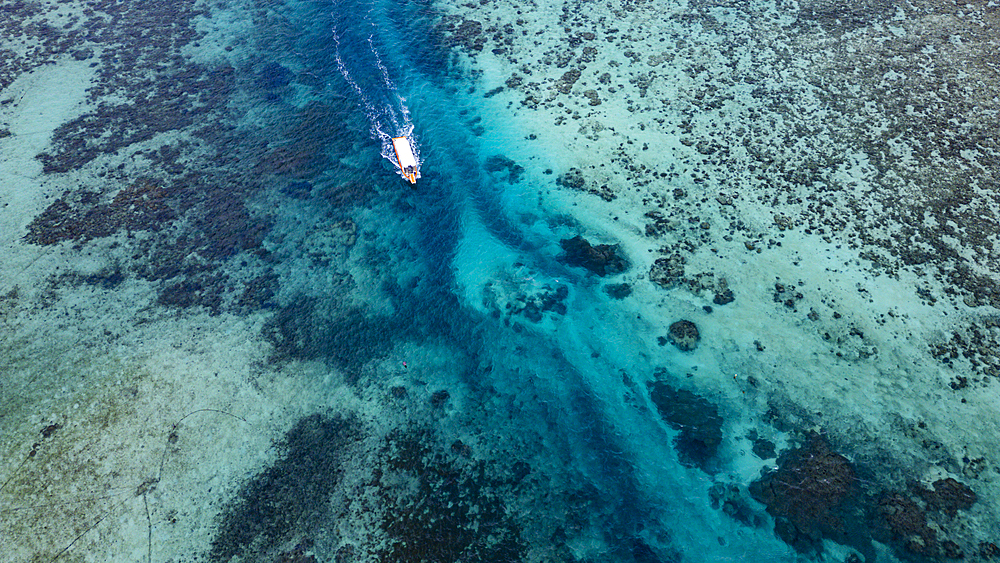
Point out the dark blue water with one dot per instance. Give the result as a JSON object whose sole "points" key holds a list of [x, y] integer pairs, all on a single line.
{"points": [[571, 378]]}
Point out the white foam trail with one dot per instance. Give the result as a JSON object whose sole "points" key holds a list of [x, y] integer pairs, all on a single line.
{"points": [[387, 118]]}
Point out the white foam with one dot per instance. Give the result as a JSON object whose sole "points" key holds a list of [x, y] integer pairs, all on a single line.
{"points": [[386, 109]]}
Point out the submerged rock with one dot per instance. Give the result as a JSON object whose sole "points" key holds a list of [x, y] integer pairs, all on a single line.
{"points": [[504, 167], [684, 334], [668, 272], [569, 78], [762, 448], [468, 34], [808, 495], [532, 303], [573, 179], [618, 290], [602, 259], [948, 496], [730, 499], [723, 294], [696, 419], [439, 398]]}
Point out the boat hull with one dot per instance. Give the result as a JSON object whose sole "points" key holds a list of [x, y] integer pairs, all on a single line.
{"points": [[405, 159]]}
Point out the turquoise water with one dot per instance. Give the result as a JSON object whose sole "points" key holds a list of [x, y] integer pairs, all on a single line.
{"points": [[238, 327], [568, 378]]}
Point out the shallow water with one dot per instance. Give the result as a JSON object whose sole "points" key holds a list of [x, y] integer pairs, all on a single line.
{"points": [[268, 346], [466, 234]]}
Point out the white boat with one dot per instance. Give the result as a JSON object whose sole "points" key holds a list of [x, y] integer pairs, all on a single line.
{"points": [[404, 157]]}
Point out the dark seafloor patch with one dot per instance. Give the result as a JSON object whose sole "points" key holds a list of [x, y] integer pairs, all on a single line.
{"points": [[140, 41], [290, 497], [313, 329], [812, 495], [138, 207], [452, 507], [697, 421], [429, 503], [817, 494], [184, 203], [601, 259]]}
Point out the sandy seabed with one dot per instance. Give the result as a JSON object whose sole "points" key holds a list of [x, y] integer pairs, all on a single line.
{"points": [[812, 185], [832, 169]]}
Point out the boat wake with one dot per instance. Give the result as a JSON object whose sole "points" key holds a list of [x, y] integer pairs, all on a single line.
{"points": [[361, 65]]}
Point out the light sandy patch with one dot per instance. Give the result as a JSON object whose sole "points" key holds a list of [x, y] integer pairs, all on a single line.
{"points": [[43, 100]]}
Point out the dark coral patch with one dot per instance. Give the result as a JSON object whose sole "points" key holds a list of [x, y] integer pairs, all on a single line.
{"points": [[906, 522], [912, 521], [139, 207], [601, 259], [228, 227], [684, 334], [258, 293], [294, 161], [696, 419], [196, 291], [948, 496], [346, 194], [457, 31], [810, 495], [274, 76], [190, 203], [618, 290], [505, 168], [816, 494], [306, 146], [291, 495], [310, 329], [668, 272], [454, 511]]}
